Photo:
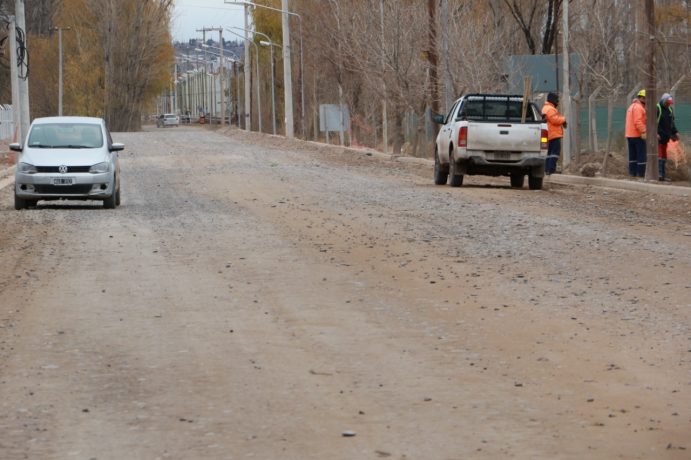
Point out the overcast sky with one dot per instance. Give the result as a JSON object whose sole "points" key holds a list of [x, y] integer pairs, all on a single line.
{"points": [[191, 15]]}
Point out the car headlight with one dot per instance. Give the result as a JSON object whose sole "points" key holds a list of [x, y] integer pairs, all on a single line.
{"points": [[26, 168], [100, 168]]}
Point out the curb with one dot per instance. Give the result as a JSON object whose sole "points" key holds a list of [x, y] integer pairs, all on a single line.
{"points": [[648, 187], [567, 179]]}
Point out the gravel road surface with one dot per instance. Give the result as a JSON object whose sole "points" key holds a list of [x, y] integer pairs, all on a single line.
{"points": [[255, 297]]}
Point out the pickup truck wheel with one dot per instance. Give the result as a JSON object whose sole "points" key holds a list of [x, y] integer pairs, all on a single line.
{"points": [[517, 180], [456, 179], [534, 183], [440, 174]]}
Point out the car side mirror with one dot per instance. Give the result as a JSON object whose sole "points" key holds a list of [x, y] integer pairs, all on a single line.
{"points": [[15, 147], [117, 146], [438, 119]]}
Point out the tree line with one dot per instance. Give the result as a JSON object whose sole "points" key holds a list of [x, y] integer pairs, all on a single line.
{"points": [[401, 56], [118, 56], [425, 53]]}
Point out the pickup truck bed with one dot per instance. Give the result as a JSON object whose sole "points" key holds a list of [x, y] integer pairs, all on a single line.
{"points": [[488, 134]]}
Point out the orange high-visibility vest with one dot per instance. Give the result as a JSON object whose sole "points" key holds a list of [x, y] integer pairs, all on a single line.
{"points": [[635, 119], [555, 121]]}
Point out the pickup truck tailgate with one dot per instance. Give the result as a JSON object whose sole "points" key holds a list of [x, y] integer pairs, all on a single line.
{"points": [[512, 137]]}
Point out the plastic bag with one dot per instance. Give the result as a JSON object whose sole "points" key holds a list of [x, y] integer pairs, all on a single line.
{"points": [[676, 154]]}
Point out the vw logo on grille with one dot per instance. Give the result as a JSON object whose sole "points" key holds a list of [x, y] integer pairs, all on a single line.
{"points": [[62, 169]]}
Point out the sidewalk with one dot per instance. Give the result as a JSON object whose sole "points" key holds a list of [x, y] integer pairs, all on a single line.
{"points": [[621, 184]]}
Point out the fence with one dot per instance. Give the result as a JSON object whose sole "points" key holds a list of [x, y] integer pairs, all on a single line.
{"points": [[682, 115], [6, 122]]}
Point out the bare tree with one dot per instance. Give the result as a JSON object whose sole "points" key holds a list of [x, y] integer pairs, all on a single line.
{"points": [[536, 21]]}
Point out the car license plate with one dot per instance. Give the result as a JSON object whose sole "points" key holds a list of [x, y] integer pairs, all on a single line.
{"points": [[63, 181], [501, 155]]}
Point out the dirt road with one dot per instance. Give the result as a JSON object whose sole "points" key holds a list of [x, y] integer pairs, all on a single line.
{"points": [[264, 299]]}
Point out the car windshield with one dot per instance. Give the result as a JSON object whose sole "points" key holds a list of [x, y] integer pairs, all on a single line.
{"points": [[66, 136]]}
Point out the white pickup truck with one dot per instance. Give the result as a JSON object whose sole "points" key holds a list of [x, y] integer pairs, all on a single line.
{"points": [[487, 134]]}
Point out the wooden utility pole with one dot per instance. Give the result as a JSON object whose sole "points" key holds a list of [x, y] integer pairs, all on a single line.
{"points": [[384, 114], [433, 58], [566, 96], [446, 30], [651, 171]]}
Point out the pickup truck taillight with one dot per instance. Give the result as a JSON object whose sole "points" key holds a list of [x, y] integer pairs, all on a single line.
{"points": [[543, 139], [463, 137]]}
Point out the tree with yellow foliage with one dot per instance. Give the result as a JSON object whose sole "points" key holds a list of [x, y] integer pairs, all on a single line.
{"points": [[118, 57]]}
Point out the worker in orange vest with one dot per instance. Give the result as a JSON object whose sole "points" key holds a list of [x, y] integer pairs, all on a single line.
{"points": [[635, 135], [555, 131]]}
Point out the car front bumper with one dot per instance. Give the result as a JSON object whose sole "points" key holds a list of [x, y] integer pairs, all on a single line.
{"points": [[44, 186]]}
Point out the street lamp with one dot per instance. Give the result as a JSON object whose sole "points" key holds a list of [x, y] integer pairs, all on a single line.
{"points": [[222, 66], [199, 93], [259, 100], [237, 79], [273, 82], [60, 72], [287, 78]]}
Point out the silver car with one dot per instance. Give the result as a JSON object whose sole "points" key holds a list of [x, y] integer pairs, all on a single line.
{"points": [[167, 119], [70, 158]]}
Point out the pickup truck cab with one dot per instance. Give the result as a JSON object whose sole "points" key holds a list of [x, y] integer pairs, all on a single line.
{"points": [[488, 134]]}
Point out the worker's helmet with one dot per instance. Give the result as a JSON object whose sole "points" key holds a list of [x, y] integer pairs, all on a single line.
{"points": [[641, 93]]}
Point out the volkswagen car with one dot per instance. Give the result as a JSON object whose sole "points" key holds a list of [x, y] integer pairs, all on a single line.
{"points": [[67, 158]]}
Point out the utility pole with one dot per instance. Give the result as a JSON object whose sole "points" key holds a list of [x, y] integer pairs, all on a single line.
{"points": [[248, 73], [446, 28], [433, 58], [651, 171], [287, 71], [566, 96], [222, 69], [204, 30], [23, 78], [60, 67], [220, 37], [204, 74], [17, 135], [384, 115]]}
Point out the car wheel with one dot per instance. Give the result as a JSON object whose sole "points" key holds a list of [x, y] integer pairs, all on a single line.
{"points": [[517, 180], [441, 174], [534, 183], [112, 200], [456, 180], [19, 203], [117, 197]]}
